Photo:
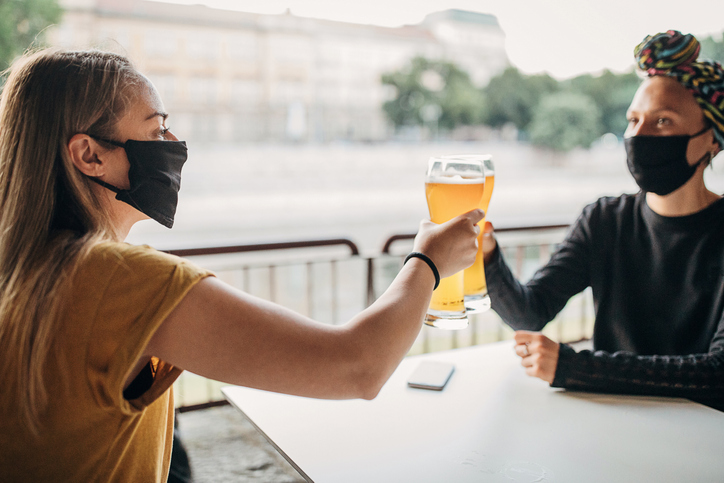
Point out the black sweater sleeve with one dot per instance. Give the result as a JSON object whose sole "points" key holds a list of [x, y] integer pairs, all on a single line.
{"points": [[696, 376], [532, 305]]}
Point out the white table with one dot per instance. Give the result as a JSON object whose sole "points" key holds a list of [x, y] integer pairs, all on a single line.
{"points": [[492, 423]]}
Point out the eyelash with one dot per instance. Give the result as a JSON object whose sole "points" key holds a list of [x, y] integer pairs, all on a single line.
{"points": [[659, 121], [164, 131]]}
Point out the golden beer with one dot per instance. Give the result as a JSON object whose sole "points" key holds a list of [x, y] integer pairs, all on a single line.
{"points": [[475, 274], [446, 199]]}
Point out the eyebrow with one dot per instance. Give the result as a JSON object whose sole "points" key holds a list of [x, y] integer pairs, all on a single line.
{"points": [[656, 111], [163, 115]]}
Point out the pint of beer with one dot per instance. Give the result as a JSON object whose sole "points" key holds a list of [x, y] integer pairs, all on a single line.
{"points": [[452, 187], [476, 289]]}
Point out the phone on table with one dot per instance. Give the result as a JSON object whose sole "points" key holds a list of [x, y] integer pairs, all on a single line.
{"points": [[431, 375]]}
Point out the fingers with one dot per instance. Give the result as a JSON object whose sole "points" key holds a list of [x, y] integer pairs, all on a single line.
{"points": [[528, 343], [475, 215], [533, 372], [538, 353], [453, 245], [525, 336], [488, 241], [535, 341], [522, 350], [425, 224], [470, 220]]}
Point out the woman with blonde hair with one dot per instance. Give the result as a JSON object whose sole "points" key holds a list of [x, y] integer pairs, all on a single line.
{"points": [[94, 331]]}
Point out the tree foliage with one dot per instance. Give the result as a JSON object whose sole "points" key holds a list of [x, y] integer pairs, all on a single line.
{"points": [[712, 49], [565, 120], [20, 23], [429, 90], [558, 115], [611, 93], [511, 97]]}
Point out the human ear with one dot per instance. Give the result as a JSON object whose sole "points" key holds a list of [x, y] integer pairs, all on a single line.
{"points": [[84, 154], [715, 147]]}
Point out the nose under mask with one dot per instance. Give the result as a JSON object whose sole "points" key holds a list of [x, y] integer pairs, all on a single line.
{"points": [[154, 176], [658, 164]]}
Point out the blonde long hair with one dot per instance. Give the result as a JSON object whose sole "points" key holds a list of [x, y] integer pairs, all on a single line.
{"points": [[49, 217]]}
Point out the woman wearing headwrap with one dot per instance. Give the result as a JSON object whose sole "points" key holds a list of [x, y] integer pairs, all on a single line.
{"points": [[654, 260]]}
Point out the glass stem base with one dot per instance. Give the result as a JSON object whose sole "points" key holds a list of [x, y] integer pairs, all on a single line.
{"points": [[475, 304], [446, 320]]}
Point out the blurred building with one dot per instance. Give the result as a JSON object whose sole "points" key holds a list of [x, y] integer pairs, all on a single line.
{"points": [[235, 76]]}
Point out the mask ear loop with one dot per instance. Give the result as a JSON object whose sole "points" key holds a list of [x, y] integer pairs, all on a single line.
{"points": [[115, 143], [98, 180], [706, 128], [708, 154], [711, 158], [104, 184]]}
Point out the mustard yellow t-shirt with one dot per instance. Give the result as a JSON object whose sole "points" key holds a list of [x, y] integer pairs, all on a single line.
{"points": [[120, 296]]}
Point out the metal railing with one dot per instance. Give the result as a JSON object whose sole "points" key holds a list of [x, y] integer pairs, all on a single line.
{"points": [[330, 281]]}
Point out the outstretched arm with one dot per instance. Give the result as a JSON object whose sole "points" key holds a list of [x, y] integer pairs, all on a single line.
{"points": [[532, 305], [224, 334]]}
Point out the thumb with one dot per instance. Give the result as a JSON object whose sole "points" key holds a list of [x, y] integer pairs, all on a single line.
{"points": [[475, 215]]}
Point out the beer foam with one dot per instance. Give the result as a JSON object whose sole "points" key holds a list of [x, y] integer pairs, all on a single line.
{"points": [[457, 179]]}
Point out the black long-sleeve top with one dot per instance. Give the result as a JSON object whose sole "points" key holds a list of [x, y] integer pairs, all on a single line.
{"points": [[658, 290]]}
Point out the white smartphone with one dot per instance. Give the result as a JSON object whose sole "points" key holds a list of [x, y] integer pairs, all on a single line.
{"points": [[431, 375]]}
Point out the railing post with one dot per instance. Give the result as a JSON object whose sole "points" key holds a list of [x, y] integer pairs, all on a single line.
{"points": [[474, 322], [333, 268], [370, 281], [247, 281], [272, 283], [310, 291]]}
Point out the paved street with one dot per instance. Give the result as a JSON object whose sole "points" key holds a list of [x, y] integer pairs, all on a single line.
{"points": [[225, 448]]}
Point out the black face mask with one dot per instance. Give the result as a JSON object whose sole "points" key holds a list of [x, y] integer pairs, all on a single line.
{"points": [[154, 176], [659, 164]]}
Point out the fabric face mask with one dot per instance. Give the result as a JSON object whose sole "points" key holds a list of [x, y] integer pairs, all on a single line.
{"points": [[659, 164], [154, 177]]}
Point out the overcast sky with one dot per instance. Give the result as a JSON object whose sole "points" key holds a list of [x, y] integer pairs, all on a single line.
{"points": [[561, 37]]}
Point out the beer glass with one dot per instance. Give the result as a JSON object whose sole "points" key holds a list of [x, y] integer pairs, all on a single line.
{"points": [[476, 289], [452, 186]]}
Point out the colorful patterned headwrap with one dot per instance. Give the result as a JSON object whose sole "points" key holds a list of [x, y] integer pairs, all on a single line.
{"points": [[673, 54]]}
